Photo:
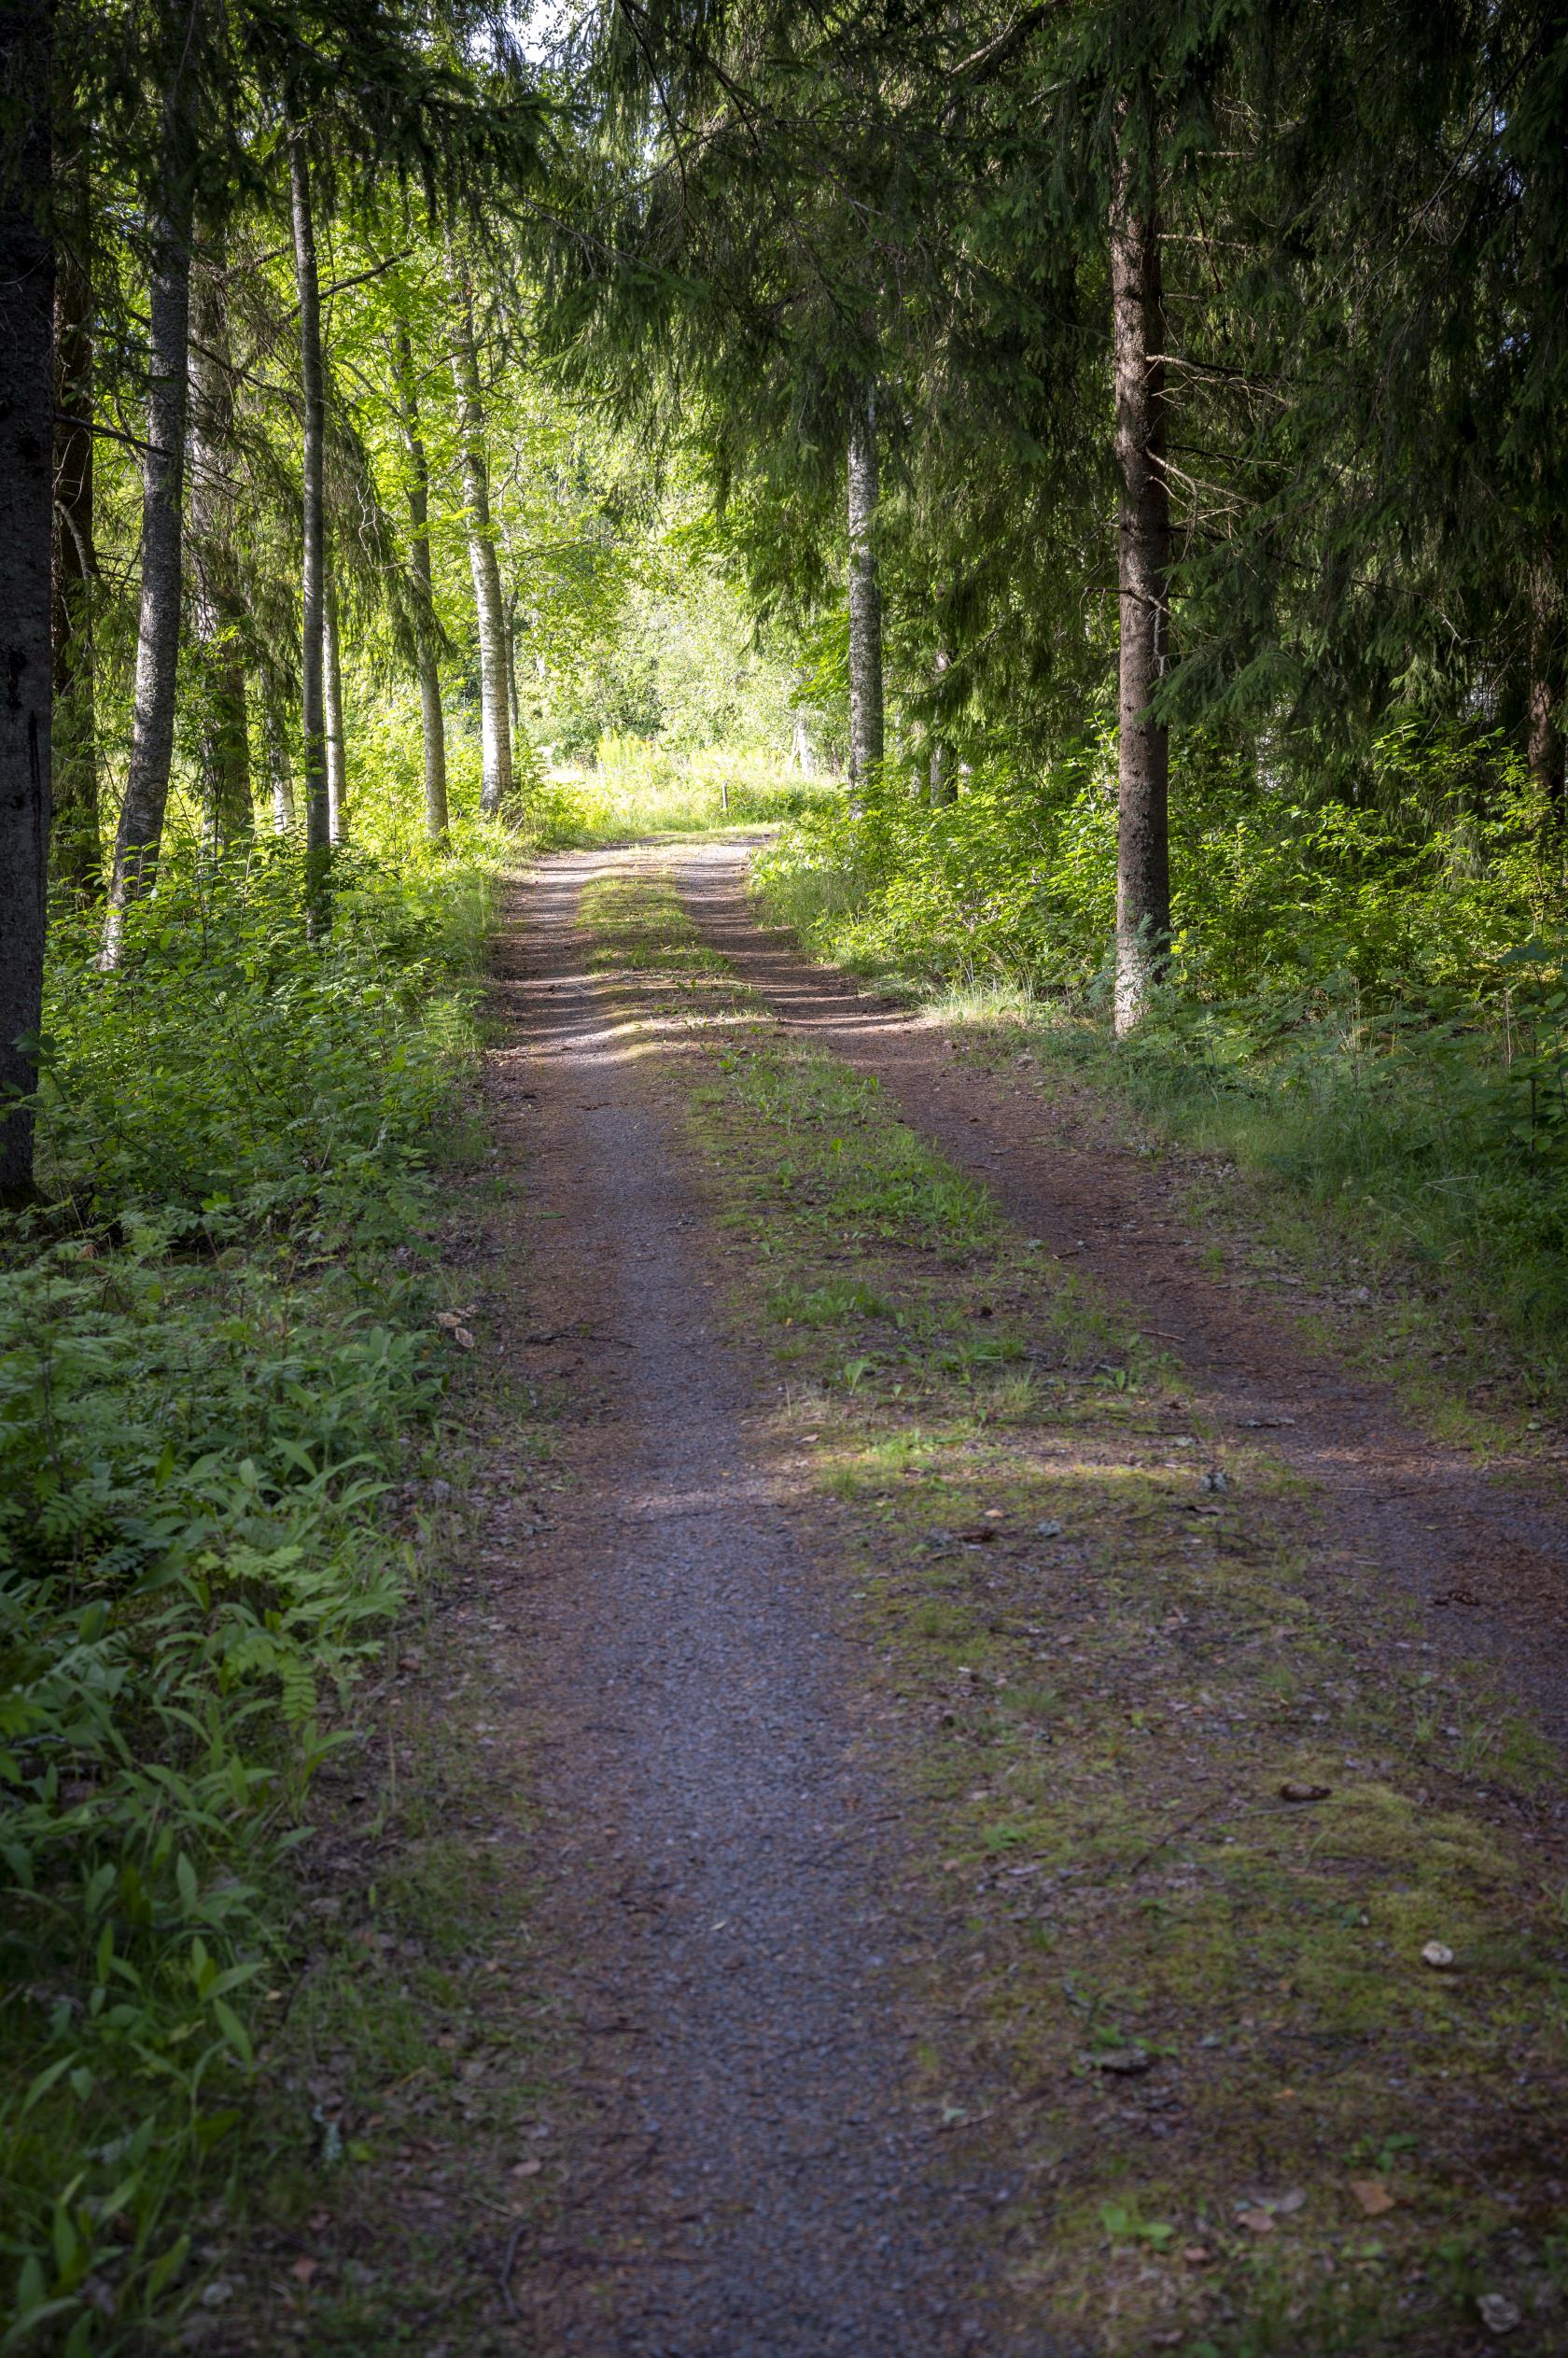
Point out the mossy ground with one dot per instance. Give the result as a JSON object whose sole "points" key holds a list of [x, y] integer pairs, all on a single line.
{"points": [[1361, 1283], [1244, 2114]]}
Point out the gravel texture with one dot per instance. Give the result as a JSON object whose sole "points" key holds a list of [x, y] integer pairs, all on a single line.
{"points": [[719, 1830]]}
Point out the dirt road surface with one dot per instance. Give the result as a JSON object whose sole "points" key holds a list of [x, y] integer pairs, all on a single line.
{"points": [[726, 1905]]}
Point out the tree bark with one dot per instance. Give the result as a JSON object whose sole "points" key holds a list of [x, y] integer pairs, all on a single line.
{"points": [[75, 848], [495, 707], [1143, 543], [432, 719], [280, 769], [867, 732], [26, 520], [219, 606], [1544, 750], [331, 697], [140, 833], [318, 839], [941, 786]]}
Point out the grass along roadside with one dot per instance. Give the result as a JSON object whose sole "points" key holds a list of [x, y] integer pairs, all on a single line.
{"points": [[223, 1383], [1198, 1816], [1414, 1148]]}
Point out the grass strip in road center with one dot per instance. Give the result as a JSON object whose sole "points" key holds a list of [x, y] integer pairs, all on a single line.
{"points": [[1253, 1991]]}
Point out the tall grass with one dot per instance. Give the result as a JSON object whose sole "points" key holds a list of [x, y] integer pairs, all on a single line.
{"points": [[637, 788]]}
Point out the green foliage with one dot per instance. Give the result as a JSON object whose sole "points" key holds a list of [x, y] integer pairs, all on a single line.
{"points": [[268, 1076], [640, 786], [1424, 885], [213, 1374], [1369, 1006]]}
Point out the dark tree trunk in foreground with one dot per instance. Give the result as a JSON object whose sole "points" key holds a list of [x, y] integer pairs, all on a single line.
{"points": [[432, 719], [865, 602], [494, 679], [26, 518], [1143, 850], [76, 849], [219, 606], [318, 840], [331, 698]]}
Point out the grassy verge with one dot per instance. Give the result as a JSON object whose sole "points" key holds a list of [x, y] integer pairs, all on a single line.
{"points": [[640, 792], [222, 1381], [1196, 1814], [1413, 1150]]}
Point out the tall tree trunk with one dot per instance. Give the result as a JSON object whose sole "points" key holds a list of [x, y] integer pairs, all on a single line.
{"points": [[331, 697], [140, 833], [941, 785], [495, 706], [280, 769], [1142, 823], [75, 848], [1544, 748], [318, 839], [432, 719], [219, 607], [26, 515], [866, 738]]}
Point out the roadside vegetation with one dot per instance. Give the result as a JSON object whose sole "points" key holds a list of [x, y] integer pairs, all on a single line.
{"points": [[1365, 1013], [221, 1444]]}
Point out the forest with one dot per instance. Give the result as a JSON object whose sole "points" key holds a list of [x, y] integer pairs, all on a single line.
{"points": [[1051, 520]]}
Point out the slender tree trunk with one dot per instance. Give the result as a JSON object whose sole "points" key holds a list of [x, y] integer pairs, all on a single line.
{"points": [[280, 769], [76, 849], [332, 685], [1144, 849], [941, 786], [318, 839], [866, 737], [432, 719], [140, 833], [800, 746], [495, 709], [1545, 747], [219, 607], [514, 705], [26, 515]]}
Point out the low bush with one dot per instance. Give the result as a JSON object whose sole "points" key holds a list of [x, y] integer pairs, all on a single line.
{"points": [[215, 1372]]}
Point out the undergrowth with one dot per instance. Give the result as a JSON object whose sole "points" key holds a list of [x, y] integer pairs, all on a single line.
{"points": [[637, 789], [218, 1364], [1367, 1011]]}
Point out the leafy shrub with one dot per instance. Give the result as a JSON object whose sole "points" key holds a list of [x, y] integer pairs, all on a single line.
{"points": [[211, 1374]]}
